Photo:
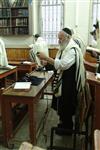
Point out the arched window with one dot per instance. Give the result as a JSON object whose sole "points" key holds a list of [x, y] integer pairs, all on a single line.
{"points": [[51, 20]]}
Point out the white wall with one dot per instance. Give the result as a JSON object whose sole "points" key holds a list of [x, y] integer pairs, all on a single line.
{"points": [[77, 16], [35, 15], [17, 41]]}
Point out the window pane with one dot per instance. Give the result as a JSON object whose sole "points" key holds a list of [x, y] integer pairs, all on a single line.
{"points": [[96, 10], [52, 21], [98, 13], [94, 13]]}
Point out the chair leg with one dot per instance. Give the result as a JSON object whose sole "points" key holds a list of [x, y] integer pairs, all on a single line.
{"points": [[74, 142], [52, 137], [86, 135]]}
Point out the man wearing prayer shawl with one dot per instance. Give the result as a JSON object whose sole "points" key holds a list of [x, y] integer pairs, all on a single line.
{"points": [[70, 67]]}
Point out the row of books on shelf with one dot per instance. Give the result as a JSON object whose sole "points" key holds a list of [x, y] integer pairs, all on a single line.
{"points": [[5, 12], [15, 22], [19, 12], [20, 22], [16, 31], [4, 22], [5, 31], [5, 3], [19, 30], [15, 12], [22, 3], [16, 3]]}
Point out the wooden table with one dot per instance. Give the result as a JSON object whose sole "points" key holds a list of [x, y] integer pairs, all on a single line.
{"points": [[30, 98], [6, 72], [22, 66], [96, 84], [95, 110]]}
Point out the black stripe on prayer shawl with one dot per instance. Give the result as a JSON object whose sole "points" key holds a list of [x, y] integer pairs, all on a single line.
{"points": [[78, 77], [79, 87]]}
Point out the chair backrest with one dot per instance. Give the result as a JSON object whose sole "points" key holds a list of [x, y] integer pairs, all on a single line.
{"points": [[83, 107], [96, 139]]}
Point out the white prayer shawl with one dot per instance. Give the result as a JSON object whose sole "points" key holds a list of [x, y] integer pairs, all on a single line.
{"points": [[80, 70], [98, 36], [42, 46], [3, 55], [39, 46]]}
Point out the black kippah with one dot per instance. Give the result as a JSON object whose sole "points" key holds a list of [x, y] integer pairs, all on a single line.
{"points": [[67, 30], [36, 35]]}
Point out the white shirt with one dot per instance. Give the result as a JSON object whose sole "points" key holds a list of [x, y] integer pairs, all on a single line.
{"points": [[67, 58], [3, 55], [71, 54]]}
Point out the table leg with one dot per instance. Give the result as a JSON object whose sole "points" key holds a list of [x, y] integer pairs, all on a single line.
{"points": [[6, 121], [32, 122], [97, 108]]}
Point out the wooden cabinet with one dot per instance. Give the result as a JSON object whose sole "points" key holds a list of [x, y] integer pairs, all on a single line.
{"points": [[22, 54], [53, 52], [14, 19], [18, 54]]}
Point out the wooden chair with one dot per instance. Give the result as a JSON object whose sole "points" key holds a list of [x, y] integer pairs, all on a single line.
{"points": [[89, 58], [81, 119], [97, 139]]}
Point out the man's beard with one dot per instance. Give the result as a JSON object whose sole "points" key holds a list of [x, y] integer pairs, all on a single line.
{"points": [[63, 45]]}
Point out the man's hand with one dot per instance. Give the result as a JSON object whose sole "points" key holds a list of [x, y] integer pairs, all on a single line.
{"points": [[43, 62], [41, 55]]}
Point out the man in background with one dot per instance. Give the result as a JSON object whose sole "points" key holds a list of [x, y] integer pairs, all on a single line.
{"points": [[3, 55], [41, 45]]}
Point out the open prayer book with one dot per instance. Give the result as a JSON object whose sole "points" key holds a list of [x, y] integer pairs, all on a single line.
{"points": [[22, 85]]}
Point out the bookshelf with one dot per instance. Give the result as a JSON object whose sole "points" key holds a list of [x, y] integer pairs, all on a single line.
{"points": [[14, 18], [5, 27]]}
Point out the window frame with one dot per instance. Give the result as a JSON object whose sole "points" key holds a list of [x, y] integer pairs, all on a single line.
{"points": [[95, 10], [51, 35]]}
